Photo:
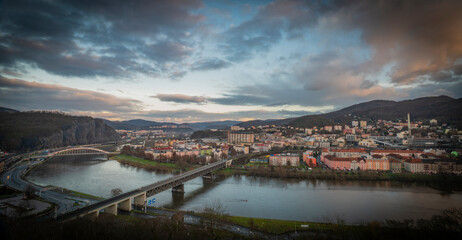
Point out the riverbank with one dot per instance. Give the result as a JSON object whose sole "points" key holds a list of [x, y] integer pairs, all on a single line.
{"points": [[150, 165], [442, 182]]}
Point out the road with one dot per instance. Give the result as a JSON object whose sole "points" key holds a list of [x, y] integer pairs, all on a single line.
{"points": [[12, 178]]}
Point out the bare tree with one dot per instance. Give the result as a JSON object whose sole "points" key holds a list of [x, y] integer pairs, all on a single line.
{"points": [[214, 212], [116, 192]]}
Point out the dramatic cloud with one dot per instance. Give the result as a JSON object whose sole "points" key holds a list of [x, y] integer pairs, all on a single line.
{"points": [[420, 38], [23, 95], [97, 38], [283, 57], [180, 98]]}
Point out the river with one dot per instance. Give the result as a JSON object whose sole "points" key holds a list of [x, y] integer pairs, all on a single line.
{"points": [[315, 200]]}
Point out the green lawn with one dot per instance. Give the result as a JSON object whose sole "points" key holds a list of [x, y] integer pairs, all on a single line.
{"points": [[256, 164], [143, 161], [274, 226]]}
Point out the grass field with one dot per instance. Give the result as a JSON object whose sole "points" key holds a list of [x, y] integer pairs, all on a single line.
{"points": [[274, 226], [143, 161]]}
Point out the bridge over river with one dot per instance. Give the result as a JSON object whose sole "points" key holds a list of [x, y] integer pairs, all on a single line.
{"points": [[73, 151], [139, 196]]}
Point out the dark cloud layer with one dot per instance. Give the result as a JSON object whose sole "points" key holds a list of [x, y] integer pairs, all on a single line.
{"points": [[24, 95], [421, 39], [227, 99], [415, 45], [180, 98], [97, 38]]}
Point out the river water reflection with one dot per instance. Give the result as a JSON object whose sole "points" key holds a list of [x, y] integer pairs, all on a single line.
{"points": [[315, 200]]}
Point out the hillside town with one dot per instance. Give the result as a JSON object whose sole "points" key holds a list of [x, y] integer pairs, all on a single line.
{"points": [[395, 146]]}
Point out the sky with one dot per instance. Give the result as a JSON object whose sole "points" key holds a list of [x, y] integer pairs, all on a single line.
{"points": [[192, 61]]}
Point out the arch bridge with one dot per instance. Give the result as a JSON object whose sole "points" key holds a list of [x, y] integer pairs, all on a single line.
{"points": [[77, 151]]}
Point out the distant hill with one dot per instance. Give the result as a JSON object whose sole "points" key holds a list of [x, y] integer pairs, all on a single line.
{"points": [[311, 121], [212, 125], [25, 131], [277, 122], [135, 124], [209, 134], [8, 110], [443, 108], [141, 124]]}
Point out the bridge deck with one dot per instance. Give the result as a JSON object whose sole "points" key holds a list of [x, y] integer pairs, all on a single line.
{"points": [[149, 189]]}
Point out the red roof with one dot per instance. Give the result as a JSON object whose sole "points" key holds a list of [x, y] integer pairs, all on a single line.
{"points": [[164, 148], [414, 160], [395, 151], [348, 159], [349, 150]]}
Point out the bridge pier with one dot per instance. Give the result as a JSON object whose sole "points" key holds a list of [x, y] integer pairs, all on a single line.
{"points": [[93, 215], [126, 205], [112, 209], [139, 196], [140, 199], [209, 176], [178, 189]]}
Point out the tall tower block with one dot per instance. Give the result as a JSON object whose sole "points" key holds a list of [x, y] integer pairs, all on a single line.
{"points": [[409, 123]]}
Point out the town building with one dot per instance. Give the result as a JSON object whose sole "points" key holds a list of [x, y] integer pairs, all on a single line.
{"points": [[309, 159], [378, 163], [353, 152], [414, 165], [240, 137], [395, 165], [404, 153], [236, 128], [354, 123], [358, 164], [338, 163], [367, 143], [284, 159]]}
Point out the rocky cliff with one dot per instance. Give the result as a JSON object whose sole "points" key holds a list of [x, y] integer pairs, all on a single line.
{"points": [[25, 131]]}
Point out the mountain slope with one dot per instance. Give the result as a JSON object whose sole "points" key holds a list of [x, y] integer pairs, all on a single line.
{"points": [[139, 124], [25, 131], [443, 108], [8, 110]]}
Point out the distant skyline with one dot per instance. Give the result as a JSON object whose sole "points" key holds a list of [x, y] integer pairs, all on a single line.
{"points": [[191, 61]]}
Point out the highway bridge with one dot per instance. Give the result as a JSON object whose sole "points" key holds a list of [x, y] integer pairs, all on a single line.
{"points": [[139, 196]]}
